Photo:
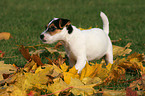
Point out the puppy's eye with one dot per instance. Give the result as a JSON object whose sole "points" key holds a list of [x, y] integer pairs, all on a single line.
{"points": [[51, 29]]}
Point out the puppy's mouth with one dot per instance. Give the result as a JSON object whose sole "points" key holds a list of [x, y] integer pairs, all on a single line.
{"points": [[44, 41]]}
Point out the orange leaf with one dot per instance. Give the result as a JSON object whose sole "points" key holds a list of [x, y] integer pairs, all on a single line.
{"points": [[4, 35]]}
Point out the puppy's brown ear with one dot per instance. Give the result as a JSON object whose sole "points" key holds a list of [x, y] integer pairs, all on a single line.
{"points": [[63, 22]]}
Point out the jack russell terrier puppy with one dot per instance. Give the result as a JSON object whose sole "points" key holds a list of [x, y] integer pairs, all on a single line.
{"points": [[81, 46]]}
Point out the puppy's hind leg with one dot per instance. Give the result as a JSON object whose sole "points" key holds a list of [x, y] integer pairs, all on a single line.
{"points": [[109, 56]]}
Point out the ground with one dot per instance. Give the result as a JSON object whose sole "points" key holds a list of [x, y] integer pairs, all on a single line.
{"points": [[26, 19]]}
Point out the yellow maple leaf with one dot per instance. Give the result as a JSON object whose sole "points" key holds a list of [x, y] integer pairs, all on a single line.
{"points": [[121, 51], [78, 88], [73, 70], [109, 66], [6, 69], [89, 80], [64, 67], [88, 70], [14, 91], [98, 68], [68, 76], [29, 65], [56, 71], [58, 85], [72, 73], [46, 69]]}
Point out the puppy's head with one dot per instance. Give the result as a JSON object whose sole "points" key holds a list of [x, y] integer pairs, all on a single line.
{"points": [[55, 30]]}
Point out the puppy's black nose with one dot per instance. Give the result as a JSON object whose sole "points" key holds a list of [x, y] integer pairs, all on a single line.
{"points": [[41, 36]]}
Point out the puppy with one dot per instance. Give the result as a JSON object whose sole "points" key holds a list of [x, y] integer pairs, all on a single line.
{"points": [[81, 46]]}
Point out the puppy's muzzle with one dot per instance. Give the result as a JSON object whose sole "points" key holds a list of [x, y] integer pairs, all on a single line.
{"points": [[42, 37]]}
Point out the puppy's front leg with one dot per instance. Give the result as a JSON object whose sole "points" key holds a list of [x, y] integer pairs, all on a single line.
{"points": [[72, 62], [80, 64]]}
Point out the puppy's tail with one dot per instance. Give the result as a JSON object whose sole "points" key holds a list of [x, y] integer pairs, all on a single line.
{"points": [[105, 22]]}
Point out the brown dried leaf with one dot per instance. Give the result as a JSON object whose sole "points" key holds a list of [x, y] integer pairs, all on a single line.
{"points": [[49, 60], [37, 59], [59, 60], [136, 55], [25, 53]]}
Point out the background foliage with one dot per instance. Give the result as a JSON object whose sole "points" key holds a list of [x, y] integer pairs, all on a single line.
{"points": [[25, 20]]}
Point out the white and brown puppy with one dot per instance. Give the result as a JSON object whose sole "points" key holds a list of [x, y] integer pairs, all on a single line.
{"points": [[81, 45]]}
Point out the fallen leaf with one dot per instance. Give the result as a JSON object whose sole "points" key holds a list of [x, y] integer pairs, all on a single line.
{"points": [[130, 92], [15, 91], [73, 70], [25, 53], [58, 61], [6, 69], [85, 29], [72, 73], [1, 54], [5, 35], [88, 80], [52, 50], [68, 76], [64, 67], [113, 92], [140, 57], [121, 51], [49, 60], [37, 59], [57, 86], [29, 66], [37, 52], [80, 89]]}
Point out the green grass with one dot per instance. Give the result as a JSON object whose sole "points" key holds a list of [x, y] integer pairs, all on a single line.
{"points": [[25, 20]]}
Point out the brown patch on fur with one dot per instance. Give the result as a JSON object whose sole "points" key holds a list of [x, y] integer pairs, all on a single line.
{"points": [[60, 21], [52, 25], [68, 23], [55, 32]]}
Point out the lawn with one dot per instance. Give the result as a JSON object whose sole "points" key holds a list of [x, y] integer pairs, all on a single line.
{"points": [[25, 20]]}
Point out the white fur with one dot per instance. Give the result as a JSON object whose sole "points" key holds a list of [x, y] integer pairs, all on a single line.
{"points": [[85, 45]]}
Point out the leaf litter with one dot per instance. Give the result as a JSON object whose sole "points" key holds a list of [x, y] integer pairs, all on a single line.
{"points": [[41, 79]]}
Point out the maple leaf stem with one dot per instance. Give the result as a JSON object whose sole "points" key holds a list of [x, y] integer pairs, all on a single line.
{"points": [[58, 91]]}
